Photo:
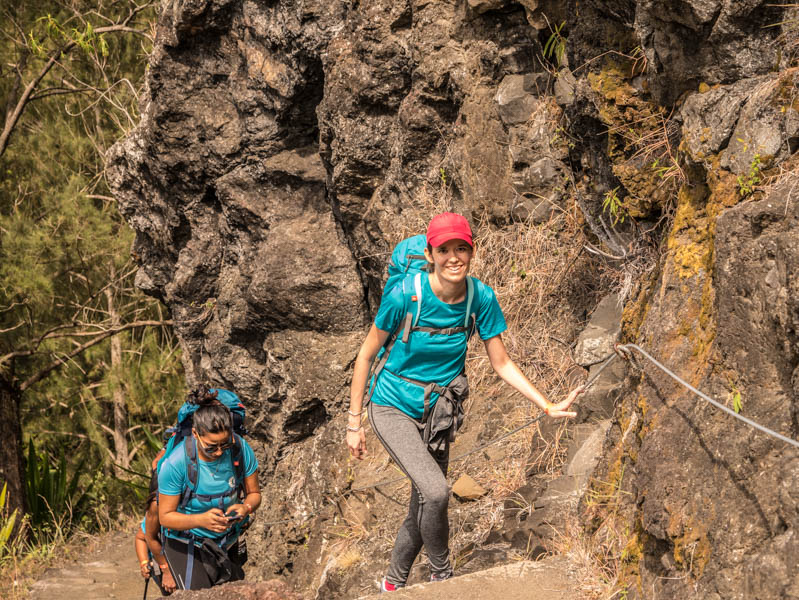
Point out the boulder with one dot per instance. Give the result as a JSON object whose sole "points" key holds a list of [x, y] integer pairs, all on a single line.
{"points": [[467, 488], [565, 87], [710, 117], [535, 210], [481, 6], [710, 41]]}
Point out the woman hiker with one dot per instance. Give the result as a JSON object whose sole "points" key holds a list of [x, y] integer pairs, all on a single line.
{"points": [[149, 549], [202, 525], [417, 393]]}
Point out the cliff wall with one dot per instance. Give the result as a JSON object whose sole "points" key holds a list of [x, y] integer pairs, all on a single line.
{"points": [[286, 145]]}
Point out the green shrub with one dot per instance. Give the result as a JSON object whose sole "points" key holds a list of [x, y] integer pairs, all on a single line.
{"points": [[53, 499], [6, 522]]}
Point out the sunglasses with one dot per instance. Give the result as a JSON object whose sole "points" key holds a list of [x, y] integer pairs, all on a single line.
{"points": [[213, 448]]}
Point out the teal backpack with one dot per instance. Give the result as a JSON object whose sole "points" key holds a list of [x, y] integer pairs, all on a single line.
{"points": [[406, 268], [182, 431], [407, 258]]}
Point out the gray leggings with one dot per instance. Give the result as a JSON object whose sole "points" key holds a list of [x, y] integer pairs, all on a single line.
{"points": [[426, 524]]}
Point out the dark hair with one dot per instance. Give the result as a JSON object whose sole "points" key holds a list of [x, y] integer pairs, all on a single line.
{"points": [[152, 492], [212, 416], [202, 394]]}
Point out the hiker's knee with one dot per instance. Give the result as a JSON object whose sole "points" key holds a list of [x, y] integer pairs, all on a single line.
{"points": [[437, 496]]}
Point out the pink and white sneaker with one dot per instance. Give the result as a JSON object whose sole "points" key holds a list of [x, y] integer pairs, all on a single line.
{"points": [[385, 586]]}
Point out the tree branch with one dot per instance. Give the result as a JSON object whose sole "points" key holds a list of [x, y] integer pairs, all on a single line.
{"points": [[13, 116], [57, 92], [82, 348], [17, 326]]}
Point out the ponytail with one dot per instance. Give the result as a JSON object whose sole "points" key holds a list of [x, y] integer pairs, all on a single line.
{"points": [[212, 416]]}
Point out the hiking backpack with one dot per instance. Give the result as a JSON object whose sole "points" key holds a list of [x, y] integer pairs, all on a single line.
{"points": [[406, 268], [182, 431]]}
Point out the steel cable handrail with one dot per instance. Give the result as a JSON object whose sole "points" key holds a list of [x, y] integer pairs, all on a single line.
{"points": [[717, 404]]}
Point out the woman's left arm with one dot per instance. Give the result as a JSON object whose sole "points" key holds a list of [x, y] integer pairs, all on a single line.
{"points": [[510, 373], [252, 500]]}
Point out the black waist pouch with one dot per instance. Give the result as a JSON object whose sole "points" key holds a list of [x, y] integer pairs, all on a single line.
{"points": [[219, 566]]}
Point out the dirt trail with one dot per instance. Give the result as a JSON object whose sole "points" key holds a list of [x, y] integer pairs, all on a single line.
{"points": [[107, 569]]}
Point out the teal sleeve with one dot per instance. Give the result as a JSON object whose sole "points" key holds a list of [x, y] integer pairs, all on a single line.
{"points": [[490, 320], [172, 476], [391, 308], [250, 462]]}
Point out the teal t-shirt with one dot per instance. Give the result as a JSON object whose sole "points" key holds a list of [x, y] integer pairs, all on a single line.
{"points": [[429, 357], [212, 478]]}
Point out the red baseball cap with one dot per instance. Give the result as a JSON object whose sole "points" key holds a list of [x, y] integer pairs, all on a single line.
{"points": [[448, 226]]}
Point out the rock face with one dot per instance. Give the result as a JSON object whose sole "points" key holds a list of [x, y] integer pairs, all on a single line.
{"points": [[285, 146]]}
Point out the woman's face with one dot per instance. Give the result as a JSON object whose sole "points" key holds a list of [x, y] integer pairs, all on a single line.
{"points": [[451, 260]]}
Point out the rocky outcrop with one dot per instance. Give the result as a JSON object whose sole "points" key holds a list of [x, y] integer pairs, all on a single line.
{"points": [[285, 146]]}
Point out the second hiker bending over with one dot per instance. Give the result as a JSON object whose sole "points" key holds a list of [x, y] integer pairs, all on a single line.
{"points": [[423, 325], [202, 522]]}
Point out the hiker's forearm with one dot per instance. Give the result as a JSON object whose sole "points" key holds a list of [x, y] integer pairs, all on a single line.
{"points": [[252, 501], [359, 374], [141, 549], [180, 521], [154, 544], [511, 375]]}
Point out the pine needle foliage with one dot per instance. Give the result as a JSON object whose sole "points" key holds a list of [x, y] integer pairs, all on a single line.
{"points": [[65, 268]]}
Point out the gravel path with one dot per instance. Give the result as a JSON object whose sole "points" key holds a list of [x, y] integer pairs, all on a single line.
{"points": [[108, 570]]}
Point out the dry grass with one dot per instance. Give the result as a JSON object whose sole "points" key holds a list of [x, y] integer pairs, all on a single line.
{"points": [[23, 562], [596, 560], [788, 39]]}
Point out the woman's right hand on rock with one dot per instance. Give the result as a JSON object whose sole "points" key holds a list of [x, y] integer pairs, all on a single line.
{"points": [[356, 442], [214, 520]]}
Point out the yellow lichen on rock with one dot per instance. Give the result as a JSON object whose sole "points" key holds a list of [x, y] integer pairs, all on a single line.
{"points": [[690, 239], [692, 549]]}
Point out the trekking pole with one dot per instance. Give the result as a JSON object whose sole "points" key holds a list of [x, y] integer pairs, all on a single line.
{"points": [[147, 582]]}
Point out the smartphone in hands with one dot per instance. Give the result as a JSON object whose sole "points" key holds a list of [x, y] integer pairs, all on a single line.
{"points": [[233, 516]]}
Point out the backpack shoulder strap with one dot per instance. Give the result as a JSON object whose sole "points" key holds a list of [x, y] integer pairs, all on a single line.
{"points": [[237, 458], [192, 470], [469, 298], [417, 288], [410, 296]]}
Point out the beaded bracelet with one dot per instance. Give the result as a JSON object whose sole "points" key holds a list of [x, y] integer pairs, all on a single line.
{"points": [[354, 429]]}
